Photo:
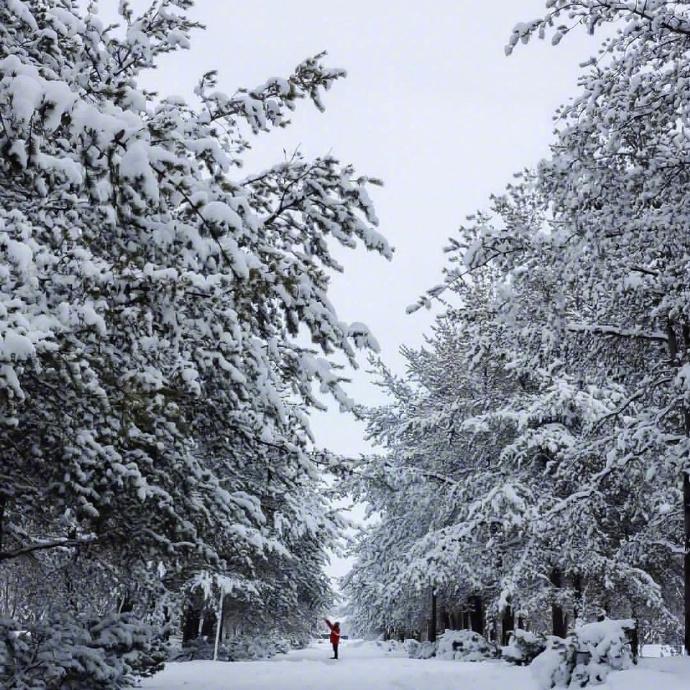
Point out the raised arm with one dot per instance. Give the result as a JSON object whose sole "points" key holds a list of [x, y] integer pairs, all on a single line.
{"points": [[328, 623]]}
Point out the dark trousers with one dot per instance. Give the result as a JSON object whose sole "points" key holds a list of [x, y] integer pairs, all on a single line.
{"points": [[335, 649]]}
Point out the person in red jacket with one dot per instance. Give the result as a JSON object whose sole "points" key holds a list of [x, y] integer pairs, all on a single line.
{"points": [[334, 636]]}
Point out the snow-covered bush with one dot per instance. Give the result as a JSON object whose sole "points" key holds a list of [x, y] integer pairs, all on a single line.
{"points": [[245, 647], [78, 653], [411, 647], [198, 648], [240, 648], [523, 647], [553, 667], [463, 645], [390, 646], [606, 647], [586, 657], [458, 645], [420, 650]]}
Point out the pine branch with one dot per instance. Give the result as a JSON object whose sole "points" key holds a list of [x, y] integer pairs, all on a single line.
{"points": [[44, 546]]}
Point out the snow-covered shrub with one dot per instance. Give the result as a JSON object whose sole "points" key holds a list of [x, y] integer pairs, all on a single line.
{"points": [[586, 657], [299, 640], [419, 650], [240, 648], [523, 647], [78, 653], [459, 645], [198, 648], [259, 647], [411, 647], [463, 645], [608, 647], [553, 667], [391, 646]]}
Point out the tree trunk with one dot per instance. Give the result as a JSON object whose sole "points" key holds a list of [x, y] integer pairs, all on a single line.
{"points": [[126, 603], [507, 624], [634, 637], [686, 510], [208, 627], [190, 624], [3, 503], [432, 622], [557, 614], [445, 618], [675, 360], [476, 614], [577, 605]]}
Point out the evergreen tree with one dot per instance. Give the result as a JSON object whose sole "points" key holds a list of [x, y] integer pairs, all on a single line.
{"points": [[156, 313]]}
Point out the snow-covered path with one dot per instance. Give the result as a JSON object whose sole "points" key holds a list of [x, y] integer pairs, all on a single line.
{"points": [[367, 667]]}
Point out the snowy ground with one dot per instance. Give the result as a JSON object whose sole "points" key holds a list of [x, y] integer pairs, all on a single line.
{"points": [[366, 666]]}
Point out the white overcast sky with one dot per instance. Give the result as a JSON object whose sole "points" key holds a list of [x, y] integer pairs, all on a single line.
{"points": [[431, 105]]}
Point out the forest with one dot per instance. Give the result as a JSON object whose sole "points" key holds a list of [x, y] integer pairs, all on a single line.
{"points": [[167, 330]]}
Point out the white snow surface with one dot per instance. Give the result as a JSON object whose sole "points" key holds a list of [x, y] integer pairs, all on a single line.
{"points": [[375, 666]]}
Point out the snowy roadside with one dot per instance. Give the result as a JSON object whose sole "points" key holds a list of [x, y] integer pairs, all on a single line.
{"points": [[365, 666]]}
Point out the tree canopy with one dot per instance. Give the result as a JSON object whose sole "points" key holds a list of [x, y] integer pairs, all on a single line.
{"points": [[165, 321]]}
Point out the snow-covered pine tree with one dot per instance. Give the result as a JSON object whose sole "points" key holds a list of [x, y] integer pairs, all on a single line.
{"points": [[619, 181], [602, 224], [442, 445], [156, 306], [498, 475]]}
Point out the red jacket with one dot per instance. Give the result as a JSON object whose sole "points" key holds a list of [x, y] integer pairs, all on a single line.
{"points": [[335, 632]]}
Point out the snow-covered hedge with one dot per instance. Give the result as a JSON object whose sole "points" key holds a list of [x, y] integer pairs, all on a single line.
{"points": [[523, 647], [586, 657], [72, 653]]}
